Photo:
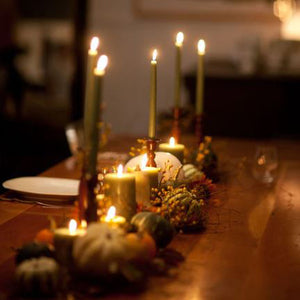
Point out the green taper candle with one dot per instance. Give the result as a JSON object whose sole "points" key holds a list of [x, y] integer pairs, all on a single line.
{"points": [[89, 89], [153, 92], [178, 44], [200, 77], [92, 136]]}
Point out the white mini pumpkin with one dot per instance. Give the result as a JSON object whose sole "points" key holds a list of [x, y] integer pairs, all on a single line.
{"points": [[37, 276], [101, 251], [190, 171]]}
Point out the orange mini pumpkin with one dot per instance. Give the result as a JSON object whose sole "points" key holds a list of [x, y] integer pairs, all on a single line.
{"points": [[44, 236], [142, 246]]}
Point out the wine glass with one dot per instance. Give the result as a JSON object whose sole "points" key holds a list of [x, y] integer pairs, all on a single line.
{"points": [[265, 164]]}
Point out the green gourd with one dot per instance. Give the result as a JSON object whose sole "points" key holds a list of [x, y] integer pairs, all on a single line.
{"points": [[33, 250], [158, 227]]}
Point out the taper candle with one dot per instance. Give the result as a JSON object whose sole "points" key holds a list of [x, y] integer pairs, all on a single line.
{"points": [[89, 87], [119, 188], [93, 132], [178, 44], [200, 77], [153, 92]]}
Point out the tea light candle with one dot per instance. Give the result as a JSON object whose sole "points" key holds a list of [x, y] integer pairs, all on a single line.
{"points": [[120, 189], [173, 148], [63, 242], [112, 220]]}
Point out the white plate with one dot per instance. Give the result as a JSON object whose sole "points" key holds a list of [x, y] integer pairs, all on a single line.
{"points": [[44, 187]]}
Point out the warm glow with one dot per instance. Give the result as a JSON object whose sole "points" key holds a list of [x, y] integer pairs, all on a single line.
{"points": [[120, 171], [179, 39], [172, 142], [94, 44], [144, 162], [72, 226], [102, 63], [111, 213], [284, 9], [290, 29], [201, 47], [154, 55], [83, 224]]}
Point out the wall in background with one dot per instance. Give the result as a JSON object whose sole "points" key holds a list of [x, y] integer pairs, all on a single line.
{"points": [[128, 40]]}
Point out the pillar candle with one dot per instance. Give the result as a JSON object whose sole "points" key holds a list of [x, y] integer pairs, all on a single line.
{"points": [[63, 242], [200, 78], [173, 148], [153, 92], [119, 188], [146, 178], [89, 87], [178, 45]]}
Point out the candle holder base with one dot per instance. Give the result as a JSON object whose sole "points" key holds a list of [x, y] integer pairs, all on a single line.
{"points": [[151, 144], [176, 132], [199, 129], [87, 203]]}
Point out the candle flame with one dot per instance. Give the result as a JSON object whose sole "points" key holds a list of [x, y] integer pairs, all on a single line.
{"points": [[201, 47], [110, 213], [179, 39], [144, 161], [83, 224], [120, 171], [102, 63], [154, 55], [72, 226], [94, 43], [172, 142]]}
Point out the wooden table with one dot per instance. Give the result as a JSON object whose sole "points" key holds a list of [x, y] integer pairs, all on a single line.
{"points": [[250, 249]]}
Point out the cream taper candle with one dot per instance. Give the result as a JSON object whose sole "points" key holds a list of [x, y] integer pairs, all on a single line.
{"points": [[153, 92], [200, 77]]}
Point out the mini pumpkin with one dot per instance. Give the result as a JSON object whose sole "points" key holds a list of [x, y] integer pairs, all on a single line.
{"points": [[158, 227], [37, 277], [142, 246], [190, 172], [101, 251], [33, 250]]}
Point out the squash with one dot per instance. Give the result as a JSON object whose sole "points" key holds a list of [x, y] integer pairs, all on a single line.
{"points": [[158, 227], [101, 251], [37, 277], [44, 236], [183, 209], [33, 250], [142, 246], [190, 172]]}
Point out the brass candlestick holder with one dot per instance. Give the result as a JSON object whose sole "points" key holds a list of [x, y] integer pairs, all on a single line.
{"points": [[199, 129], [176, 132], [151, 144]]}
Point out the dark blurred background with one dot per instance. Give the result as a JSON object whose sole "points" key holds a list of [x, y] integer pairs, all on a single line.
{"points": [[39, 58]]}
